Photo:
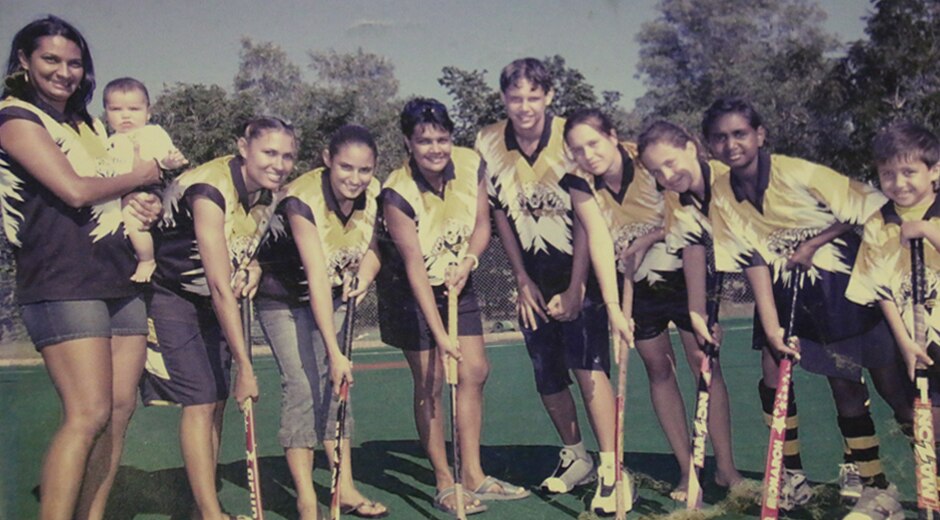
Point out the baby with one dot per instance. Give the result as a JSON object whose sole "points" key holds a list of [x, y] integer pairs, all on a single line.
{"points": [[127, 110]]}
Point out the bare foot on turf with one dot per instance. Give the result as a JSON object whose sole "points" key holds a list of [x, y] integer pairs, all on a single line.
{"points": [[728, 479], [681, 492]]}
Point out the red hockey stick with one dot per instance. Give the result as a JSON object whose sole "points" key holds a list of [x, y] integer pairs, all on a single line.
{"points": [[773, 470]]}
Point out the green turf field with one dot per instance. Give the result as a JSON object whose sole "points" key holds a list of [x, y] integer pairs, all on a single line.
{"points": [[519, 444]]}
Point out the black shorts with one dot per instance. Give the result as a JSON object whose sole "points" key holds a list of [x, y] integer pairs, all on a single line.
{"points": [[403, 325], [188, 359], [556, 347], [654, 306], [846, 358]]}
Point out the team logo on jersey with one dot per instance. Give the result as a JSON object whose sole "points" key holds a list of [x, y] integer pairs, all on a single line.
{"points": [[784, 242], [343, 262], [538, 201], [455, 234], [625, 236], [906, 296]]}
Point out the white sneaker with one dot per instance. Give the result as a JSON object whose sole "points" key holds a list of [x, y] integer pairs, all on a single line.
{"points": [[605, 496], [572, 471], [795, 490], [850, 481], [877, 504]]}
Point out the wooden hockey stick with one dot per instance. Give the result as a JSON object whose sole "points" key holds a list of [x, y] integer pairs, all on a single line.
{"points": [[251, 451], [450, 374]]}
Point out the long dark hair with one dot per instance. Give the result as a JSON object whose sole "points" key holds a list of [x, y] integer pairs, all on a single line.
{"points": [[26, 41]]}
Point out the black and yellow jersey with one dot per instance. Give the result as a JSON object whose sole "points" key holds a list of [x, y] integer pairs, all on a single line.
{"points": [[796, 200], [179, 267], [637, 209], [63, 253], [444, 220], [883, 268], [345, 239], [528, 190], [687, 217]]}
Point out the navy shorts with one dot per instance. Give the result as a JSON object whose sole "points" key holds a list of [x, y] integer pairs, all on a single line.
{"points": [[49, 323], [188, 360], [403, 325], [654, 306], [556, 347], [846, 358]]}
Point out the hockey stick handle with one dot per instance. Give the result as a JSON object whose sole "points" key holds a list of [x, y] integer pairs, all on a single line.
{"points": [[773, 468], [621, 400], [342, 404], [451, 375], [251, 451]]}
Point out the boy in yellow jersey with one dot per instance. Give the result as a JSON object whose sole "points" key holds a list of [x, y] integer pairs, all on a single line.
{"points": [[907, 157], [563, 319]]}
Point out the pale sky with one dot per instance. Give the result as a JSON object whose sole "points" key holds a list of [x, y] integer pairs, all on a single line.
{"points": [[197, 41]]}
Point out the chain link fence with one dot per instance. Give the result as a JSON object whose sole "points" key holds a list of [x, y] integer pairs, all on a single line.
{"points": [[496, 289], [494, 282]]}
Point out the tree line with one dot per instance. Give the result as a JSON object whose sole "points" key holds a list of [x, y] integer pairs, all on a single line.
{"points": [[819, 101]]}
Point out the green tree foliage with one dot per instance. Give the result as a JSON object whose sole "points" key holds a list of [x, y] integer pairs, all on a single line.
{"points": [[204, 121], [894, 74], [266, 74], [11, 327], [771, 52], [364, 90], [476, 104]]}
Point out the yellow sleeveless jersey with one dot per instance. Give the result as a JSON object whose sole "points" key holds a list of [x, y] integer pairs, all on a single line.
{"points": [[444, 220]]}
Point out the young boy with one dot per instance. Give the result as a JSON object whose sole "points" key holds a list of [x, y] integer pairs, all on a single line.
{"points": [[563, 319], [907, 157], [127, 109]]}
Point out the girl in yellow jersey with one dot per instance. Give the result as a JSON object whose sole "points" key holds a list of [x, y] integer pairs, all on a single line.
{"points": [[322, 237], [436, 212], [214, 219], [772, 214], [624, 202]]}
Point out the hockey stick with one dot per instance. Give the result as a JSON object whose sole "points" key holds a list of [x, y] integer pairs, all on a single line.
{"points": [[700, 421], [251, 452], [341, 408], [773, 469], [450, 373], [621, 513], [925, 457]]}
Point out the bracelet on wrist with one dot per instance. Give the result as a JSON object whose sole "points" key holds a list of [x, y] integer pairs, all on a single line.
{"points": [[475, 261]]}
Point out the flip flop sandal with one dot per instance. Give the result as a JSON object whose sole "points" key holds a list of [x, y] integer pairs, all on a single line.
{"points": [[356, 510], [472, 504], [506, 491]]}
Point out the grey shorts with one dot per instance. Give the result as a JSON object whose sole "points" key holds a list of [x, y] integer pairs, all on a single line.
{"points": [[308, 404], [49, 323]]}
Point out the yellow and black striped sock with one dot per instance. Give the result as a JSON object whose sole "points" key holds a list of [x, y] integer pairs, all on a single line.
{"points": [[860, 436], [791, 444]]}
